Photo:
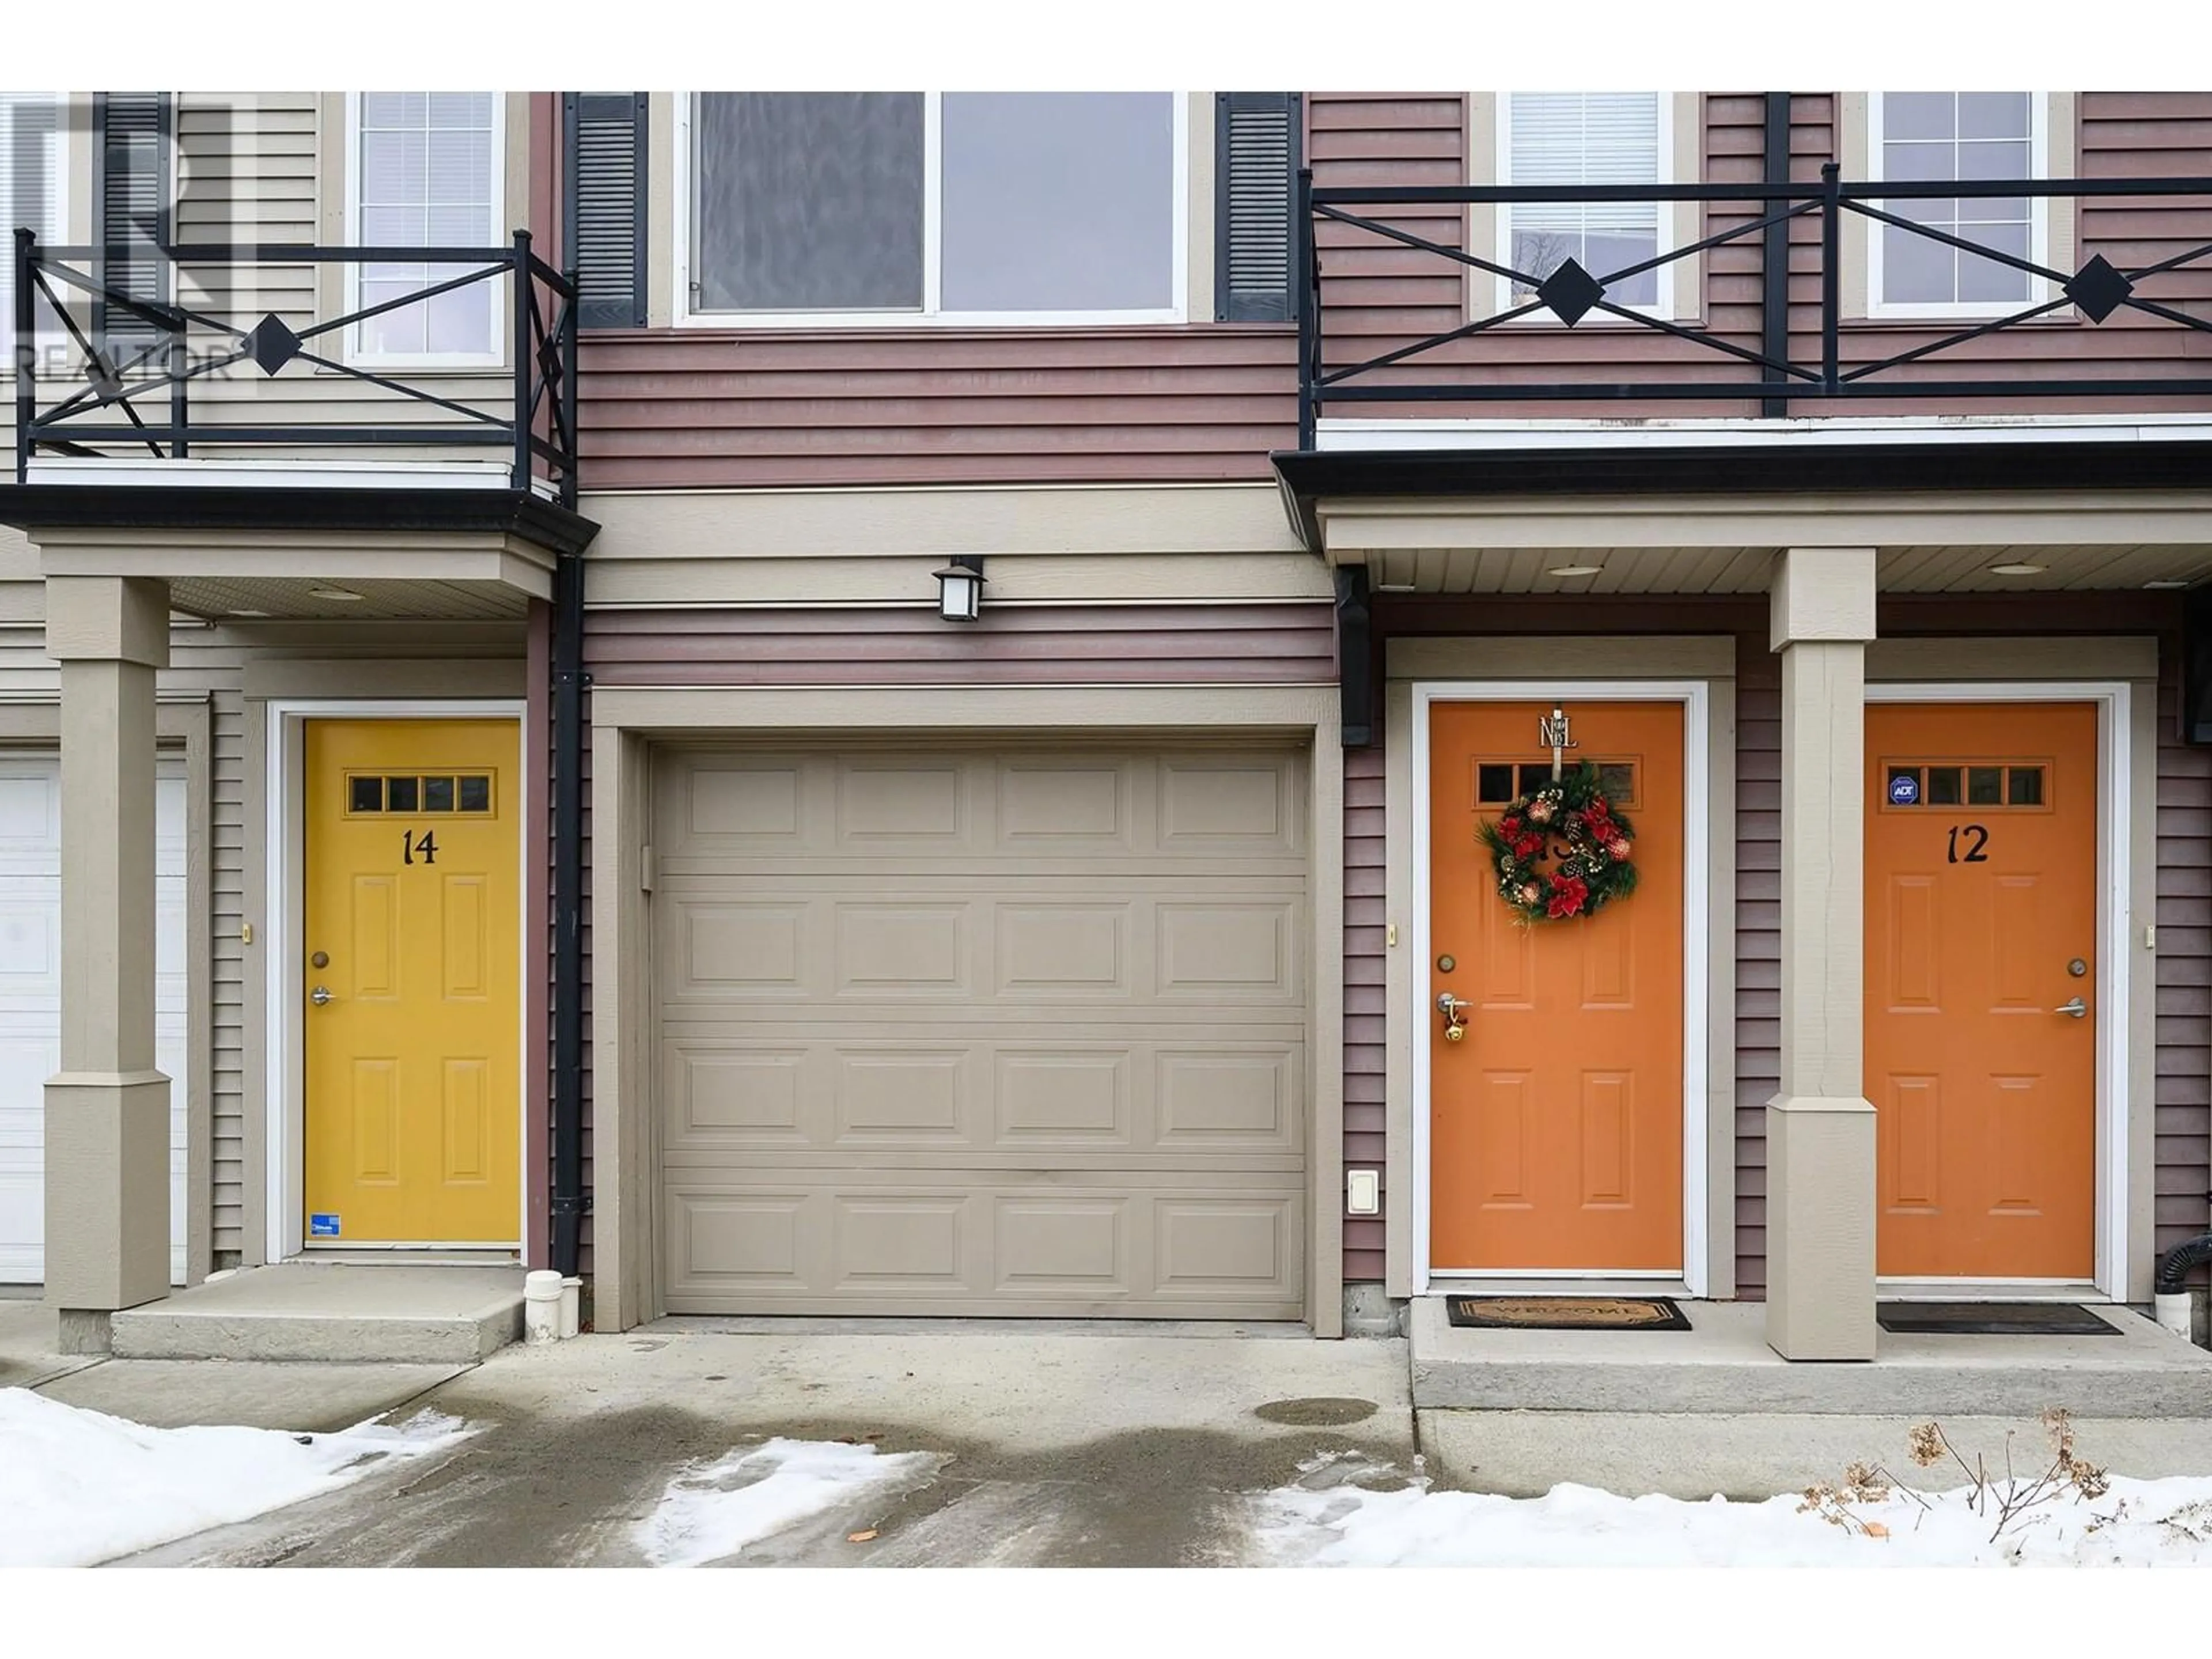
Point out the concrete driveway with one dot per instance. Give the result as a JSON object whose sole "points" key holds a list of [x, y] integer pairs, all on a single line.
{"points": [[1063, 1445]]}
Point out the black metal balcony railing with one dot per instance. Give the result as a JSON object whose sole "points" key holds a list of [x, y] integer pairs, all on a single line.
{"points": [[94, 362], [1781, 368]]}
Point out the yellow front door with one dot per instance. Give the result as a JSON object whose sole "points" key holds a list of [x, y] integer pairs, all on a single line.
{"points": [[410, 972]]}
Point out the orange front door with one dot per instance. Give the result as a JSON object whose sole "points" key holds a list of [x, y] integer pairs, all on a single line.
{"points": [[1556, 1122], [1981, 945]]}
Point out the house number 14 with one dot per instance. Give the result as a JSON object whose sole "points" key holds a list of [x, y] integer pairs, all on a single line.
{"points": [[427, 845]]}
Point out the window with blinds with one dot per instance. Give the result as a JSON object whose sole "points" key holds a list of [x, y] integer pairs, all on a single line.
{"points": [[32, 169], [427, 173], [1565, 138]]}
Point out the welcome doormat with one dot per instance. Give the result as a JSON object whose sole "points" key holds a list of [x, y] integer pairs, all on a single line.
{"points": [[1991, 1319], [1566, 1313]]}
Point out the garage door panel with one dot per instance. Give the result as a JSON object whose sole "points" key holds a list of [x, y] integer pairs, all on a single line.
{"points": [[1175, 943], [956, 1033], [1201, 804], [1063, 1099], [884, 1241]]}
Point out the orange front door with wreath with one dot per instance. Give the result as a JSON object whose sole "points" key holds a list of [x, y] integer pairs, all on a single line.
{"points": [[1555, 1116]]}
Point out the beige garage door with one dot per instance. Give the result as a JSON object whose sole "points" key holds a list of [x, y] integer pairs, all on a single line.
{"points": [[1008, 1033]]}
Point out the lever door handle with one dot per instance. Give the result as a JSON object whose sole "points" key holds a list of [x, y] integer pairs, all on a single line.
{"points": [[320, 995], [2077, 1008]]}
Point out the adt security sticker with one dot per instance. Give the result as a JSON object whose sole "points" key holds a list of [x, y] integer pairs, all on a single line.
{"points": [[322, 1227], [1904, 790]]}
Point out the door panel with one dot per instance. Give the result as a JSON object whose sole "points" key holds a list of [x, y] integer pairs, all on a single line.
{"points": [[1556, 1123], [1982, 827], [413, 1105]]}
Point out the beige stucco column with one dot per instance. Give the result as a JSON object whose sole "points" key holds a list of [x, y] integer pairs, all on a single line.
{"points": [[1820, 1128], [107, 1109]]}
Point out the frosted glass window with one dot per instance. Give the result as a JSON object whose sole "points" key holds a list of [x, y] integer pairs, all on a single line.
{"points": [[1584, 138], [31, 164], [1059, 201], [427, 177], [809, 201], [928, 203], [1941, 136]]}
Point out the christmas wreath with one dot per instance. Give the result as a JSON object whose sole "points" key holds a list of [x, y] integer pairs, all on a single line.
{"points": [[1572, 820]]}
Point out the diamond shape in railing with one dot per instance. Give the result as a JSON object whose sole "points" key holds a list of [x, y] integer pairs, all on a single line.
{"points": [[271, 344], [1569, 292], [2098, 288]]}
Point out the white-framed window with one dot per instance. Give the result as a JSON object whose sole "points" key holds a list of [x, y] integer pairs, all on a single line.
{"points": [[33, 177], [1934, 137], [425, 169], [832, 209], [1586, 138]]}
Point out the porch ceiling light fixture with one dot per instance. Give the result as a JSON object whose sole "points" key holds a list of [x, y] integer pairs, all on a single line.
{"points": [[960, 588], [339, 595], [2018, 569], [1575, 570], [2166, 582]]}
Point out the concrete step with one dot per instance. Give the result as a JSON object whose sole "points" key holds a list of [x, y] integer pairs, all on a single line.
{"points": [[389, 1312], [1722, 1365]]}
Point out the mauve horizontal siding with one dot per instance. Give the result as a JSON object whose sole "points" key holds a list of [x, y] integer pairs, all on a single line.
{"points": [[2184, 1089], [1758, 943], [1275, 644], [689, 408], [1365, 967]]}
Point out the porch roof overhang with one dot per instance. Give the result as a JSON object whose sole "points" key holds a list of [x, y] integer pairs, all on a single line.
{"points": [[266, 551], [1691, 518]]}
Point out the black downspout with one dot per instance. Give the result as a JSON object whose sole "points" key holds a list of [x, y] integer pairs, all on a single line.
{"points": [[569, 681], [2174, 1267], [1774, 258]]}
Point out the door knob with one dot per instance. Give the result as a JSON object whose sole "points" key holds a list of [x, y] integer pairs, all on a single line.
{"points": [[1450, 1007], [2077, 1008], [320, 995]]}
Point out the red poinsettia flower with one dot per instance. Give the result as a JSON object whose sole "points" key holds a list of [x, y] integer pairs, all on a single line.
{"points": [[1509, 825], [1528, 846], [1567, 896]]}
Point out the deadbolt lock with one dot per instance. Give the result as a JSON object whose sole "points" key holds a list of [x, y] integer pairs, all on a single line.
{"points": [[320, 959], [2077, 967], [1445, 964]]}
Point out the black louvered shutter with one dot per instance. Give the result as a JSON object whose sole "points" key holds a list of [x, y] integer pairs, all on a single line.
{"points": [[605, 205], [132, 133], [1255, 168]]}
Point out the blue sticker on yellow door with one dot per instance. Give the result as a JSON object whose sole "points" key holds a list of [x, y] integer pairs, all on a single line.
{"points": [[322, 1227]]}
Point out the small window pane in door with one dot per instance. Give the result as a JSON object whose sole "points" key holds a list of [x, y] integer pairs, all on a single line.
{"points": [[1493, 785], [1943, 787], [406, 795], [1985, 786], [437, 794], [2024, 785], [807, 201], [476, 795], [368, 795], [1058, 201]]}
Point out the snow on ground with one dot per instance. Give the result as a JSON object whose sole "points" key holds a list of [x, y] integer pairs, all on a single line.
{"points": [[711, 1512], [78, 1487], [2136, 1523]]}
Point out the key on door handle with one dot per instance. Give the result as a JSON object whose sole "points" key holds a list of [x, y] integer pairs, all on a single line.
{"points": [[2077, 1008], [320, 995], [1449, 1006]]}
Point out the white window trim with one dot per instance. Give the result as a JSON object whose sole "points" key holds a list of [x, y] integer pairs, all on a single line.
{"points": [[495, 354], [1662, 214], [930, 316], [2040, 290]]}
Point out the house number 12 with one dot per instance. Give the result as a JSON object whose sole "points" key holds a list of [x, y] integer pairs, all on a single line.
{"points": [[1977, 845], [428, 846]]}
